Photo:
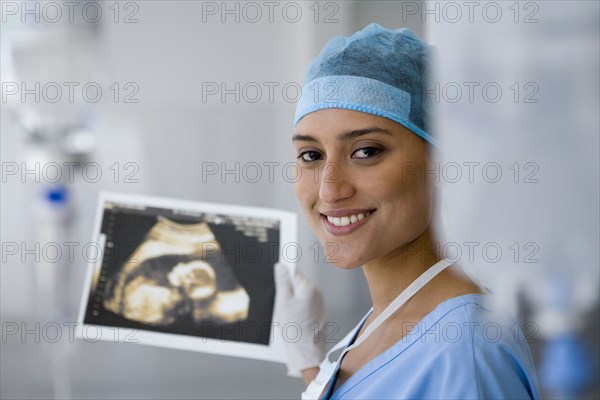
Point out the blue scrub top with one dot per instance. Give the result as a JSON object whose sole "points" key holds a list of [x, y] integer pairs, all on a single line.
{"points": [[460, 350]]}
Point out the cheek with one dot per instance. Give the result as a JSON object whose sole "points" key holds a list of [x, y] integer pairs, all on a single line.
{"points": [[305, 189], [409, 195]]}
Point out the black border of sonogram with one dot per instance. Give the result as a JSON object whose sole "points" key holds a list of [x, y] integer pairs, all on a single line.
{"points": [[127, 231]]}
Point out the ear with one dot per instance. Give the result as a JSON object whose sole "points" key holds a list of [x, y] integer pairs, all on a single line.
{"points": [[432, 155]]}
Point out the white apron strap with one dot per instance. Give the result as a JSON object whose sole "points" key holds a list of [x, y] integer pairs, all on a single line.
{"points": [[328, 368]]}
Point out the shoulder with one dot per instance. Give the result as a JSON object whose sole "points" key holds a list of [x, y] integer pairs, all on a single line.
{"points": [[482, 351], [461, 350]]}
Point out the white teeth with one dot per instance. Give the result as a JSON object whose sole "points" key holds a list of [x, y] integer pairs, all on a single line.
{"points": [[347, 220]]}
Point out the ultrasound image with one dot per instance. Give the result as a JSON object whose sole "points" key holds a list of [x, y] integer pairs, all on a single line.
{"points": [[177, 272], [173, 272]]}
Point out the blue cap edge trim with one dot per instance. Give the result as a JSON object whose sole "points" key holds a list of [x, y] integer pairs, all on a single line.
{"points": [[355, 107]]}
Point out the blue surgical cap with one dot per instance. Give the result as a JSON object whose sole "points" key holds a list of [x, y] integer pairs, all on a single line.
{"points": [[377, 71]]}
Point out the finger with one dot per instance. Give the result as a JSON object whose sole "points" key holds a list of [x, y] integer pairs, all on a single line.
{"points": [[283, 281], [303, 287]]}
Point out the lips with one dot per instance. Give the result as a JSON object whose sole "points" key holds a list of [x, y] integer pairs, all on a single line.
{"points": [[347, 220], [343, 222]]}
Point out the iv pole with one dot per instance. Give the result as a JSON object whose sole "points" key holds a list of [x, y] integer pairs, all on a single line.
{"points": [[55, 134]]}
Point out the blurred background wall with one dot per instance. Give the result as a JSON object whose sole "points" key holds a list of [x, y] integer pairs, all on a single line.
{"points": [[161, 126]]}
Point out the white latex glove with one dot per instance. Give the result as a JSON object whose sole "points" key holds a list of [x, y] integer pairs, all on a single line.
{"points": [[299, 303]]}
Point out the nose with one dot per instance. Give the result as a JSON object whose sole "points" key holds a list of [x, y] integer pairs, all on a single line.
{"points": [[335, 183]]}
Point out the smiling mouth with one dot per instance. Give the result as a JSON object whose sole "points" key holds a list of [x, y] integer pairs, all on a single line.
{"points": [[348, 219], [345, 222]]}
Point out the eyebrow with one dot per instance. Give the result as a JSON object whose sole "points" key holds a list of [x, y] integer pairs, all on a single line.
{"points": [[345, 135]]}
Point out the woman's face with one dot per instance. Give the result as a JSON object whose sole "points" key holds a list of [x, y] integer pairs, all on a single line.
{"points": [[363, 184]]}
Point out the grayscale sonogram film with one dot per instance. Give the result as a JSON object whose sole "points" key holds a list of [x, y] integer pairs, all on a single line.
{"points": [[185, 272]]}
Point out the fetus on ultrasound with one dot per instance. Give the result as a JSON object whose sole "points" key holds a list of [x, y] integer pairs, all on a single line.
{"points": [[172, 278]]}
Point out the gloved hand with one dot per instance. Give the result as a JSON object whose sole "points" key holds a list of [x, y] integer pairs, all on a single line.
{"points": [[299, 303]]}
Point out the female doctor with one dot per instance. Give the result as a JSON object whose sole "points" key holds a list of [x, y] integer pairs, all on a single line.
{"points": [[363, 146]]}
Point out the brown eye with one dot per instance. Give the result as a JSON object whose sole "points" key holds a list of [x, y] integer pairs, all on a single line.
{"points": [[310, 156], [366, 152]]}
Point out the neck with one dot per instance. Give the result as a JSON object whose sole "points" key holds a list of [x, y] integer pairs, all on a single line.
{"points": [[389, 275]]}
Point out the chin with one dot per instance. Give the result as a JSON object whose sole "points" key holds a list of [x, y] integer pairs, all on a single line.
{"points": [[344, 263], [342, 255]]}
